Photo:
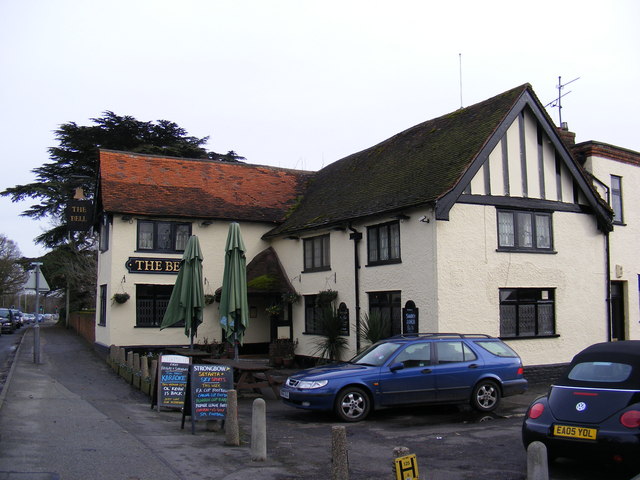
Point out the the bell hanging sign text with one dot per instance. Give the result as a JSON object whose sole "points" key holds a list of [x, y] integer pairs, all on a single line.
{"points": [[78, 215]]}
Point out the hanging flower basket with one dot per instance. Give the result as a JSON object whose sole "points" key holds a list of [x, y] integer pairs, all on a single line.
{"points": [[121, 297]]}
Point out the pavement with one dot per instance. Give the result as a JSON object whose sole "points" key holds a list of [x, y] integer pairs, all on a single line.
{"points": [[71, 417]]}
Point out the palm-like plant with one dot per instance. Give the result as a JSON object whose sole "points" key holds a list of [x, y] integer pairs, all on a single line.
{"points": [[374, 327], [332, 343]]}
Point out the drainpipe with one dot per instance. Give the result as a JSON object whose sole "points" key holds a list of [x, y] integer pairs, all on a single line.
{"points": [[608, 284], [356, 237]]}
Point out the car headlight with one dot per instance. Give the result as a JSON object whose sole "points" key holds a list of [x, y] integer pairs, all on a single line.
{"points": [[311, 385]]}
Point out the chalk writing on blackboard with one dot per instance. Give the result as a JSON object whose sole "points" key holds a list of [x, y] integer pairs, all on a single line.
{"points": [[209, 385], [173, 373]]}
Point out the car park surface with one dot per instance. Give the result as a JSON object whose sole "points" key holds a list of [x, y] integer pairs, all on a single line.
{"points": [[594, 410], [411, 370]]}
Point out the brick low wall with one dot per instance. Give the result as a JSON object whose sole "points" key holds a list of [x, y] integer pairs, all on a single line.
{"points": [[85, 324], [547, 374]]}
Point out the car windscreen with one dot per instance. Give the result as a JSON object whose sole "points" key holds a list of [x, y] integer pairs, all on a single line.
{"points": [[601, 372], [4, 312], [499, 349], [376, 354]]}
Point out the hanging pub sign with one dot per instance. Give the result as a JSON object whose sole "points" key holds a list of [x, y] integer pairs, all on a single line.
{"points": [[410, 318], [153, 265], [78, 215], [343, 315]]}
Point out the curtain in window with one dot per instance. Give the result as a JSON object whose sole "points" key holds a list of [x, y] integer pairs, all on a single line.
{"points": [[506, 229], [543, 231], [395, 240], [525, 230], [384, 243], [164, 236], [182, 236], [145, 236]]}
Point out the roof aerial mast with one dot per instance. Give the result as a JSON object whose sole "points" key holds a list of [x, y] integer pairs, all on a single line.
{"points": [[558, 101]]}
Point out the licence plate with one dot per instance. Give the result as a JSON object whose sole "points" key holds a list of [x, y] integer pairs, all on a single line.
{"points": [[284, 394], [575, 432]]}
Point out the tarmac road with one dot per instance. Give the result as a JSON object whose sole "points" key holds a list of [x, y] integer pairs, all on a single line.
{"points": [[72, 418]]}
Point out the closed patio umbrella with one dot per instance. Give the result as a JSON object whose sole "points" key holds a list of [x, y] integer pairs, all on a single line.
{"points": [[187, 298], [234, 306]]}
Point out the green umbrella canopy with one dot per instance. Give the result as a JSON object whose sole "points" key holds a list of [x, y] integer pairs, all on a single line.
{"points": [[234, 306], [187, 298]]}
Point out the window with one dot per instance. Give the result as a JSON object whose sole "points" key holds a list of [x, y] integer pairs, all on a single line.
{"points": [[527, 312], [151, 303], [383, 243], [524, 231], [102, 320], [104, 233], [616, 198], [387, 305], [163, 236], [316, 253], [453, 352], [312, 315]]}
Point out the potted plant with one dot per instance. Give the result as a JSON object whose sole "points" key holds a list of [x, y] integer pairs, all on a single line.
{"points": [[209, 299], [281, 350], [121, 297]]}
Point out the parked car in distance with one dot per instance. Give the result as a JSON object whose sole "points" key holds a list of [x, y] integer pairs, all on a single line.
{"points": [[7, 321], [28, 318], [17, 315], [426, 368], [594, 410]]}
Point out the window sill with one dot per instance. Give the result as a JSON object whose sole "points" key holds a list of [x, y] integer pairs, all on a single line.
{"points": [[318, 269], [525, 250], [530, 337], [395, 261]]}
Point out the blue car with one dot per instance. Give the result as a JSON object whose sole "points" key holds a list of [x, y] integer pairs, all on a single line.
{"points": [[594, 409], [411, 370]]}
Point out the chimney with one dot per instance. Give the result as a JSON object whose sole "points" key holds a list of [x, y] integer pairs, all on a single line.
{"points": [[569, 138]]}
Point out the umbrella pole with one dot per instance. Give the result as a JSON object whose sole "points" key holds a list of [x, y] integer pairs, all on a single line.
{"points": [[235, 345]]}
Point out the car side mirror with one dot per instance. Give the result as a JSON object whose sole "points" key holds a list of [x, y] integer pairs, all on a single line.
{"points": [[396, 366]]}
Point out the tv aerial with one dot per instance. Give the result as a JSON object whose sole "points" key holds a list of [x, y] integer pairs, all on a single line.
{"points": [[558, 101]]}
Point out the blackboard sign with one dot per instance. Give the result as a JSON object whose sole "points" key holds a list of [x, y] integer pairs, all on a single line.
{"points": [[207, 393], [343, 315], [173, 373], [209, 385], [410, 318]]}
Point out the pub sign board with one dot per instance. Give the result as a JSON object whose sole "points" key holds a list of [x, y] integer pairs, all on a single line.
{"points": [[78, 215], [173, 373], [207, 393], [410, 318], [153, 265]]}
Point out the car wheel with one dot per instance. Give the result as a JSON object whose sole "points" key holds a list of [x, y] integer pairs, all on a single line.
{"points": [[486, 396], [352, 404]]}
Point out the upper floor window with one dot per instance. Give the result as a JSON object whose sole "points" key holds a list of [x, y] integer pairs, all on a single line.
{"points": [[524, 231], [527, 312], [383, 243], [163, 236], [616, 198], [316, 253]]}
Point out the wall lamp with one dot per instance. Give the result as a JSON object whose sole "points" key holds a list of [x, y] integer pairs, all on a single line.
{"points": [[206, 223], [127, 218]]}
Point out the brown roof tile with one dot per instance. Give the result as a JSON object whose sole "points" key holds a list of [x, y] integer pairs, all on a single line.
{"points": [[178, 187]]}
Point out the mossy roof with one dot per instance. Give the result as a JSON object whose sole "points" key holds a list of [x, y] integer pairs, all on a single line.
{"points": [[415, 167]]}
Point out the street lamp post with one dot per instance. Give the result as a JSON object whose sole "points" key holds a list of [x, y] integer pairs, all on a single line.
{"points": [[36, 328]]}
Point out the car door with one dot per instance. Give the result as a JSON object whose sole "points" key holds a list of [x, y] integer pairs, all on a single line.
{"points": [[413, 382], [456, 370]]}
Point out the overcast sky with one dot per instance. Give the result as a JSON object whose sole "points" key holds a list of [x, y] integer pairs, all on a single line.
{"points": [[297, 83]]}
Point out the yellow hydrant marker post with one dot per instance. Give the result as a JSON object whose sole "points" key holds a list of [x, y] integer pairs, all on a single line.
{"points": [[407, 468]]}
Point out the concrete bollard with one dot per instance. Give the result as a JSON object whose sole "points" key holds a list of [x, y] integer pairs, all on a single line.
{"points": [[137, 371], [259, 431], [537, 467], [339, 453], [231, 427], [145, 380], [398, 452], [153, 373]]}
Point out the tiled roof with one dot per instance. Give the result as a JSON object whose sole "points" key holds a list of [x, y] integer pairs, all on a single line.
{"points": [[415, 167], [151, 185]]}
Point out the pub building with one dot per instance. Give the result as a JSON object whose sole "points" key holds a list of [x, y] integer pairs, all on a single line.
{"points": [[481, 221]]}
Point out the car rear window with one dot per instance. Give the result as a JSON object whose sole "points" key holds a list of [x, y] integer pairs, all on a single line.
{"points": [[609, 372], [498, 349], [4, 312]]}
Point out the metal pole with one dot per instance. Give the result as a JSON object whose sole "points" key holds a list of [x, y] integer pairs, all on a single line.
{"points": [[36, 328]]}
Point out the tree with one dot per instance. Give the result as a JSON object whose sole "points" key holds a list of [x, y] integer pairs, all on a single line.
{"points": [[74, 163], [12, 275]]}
